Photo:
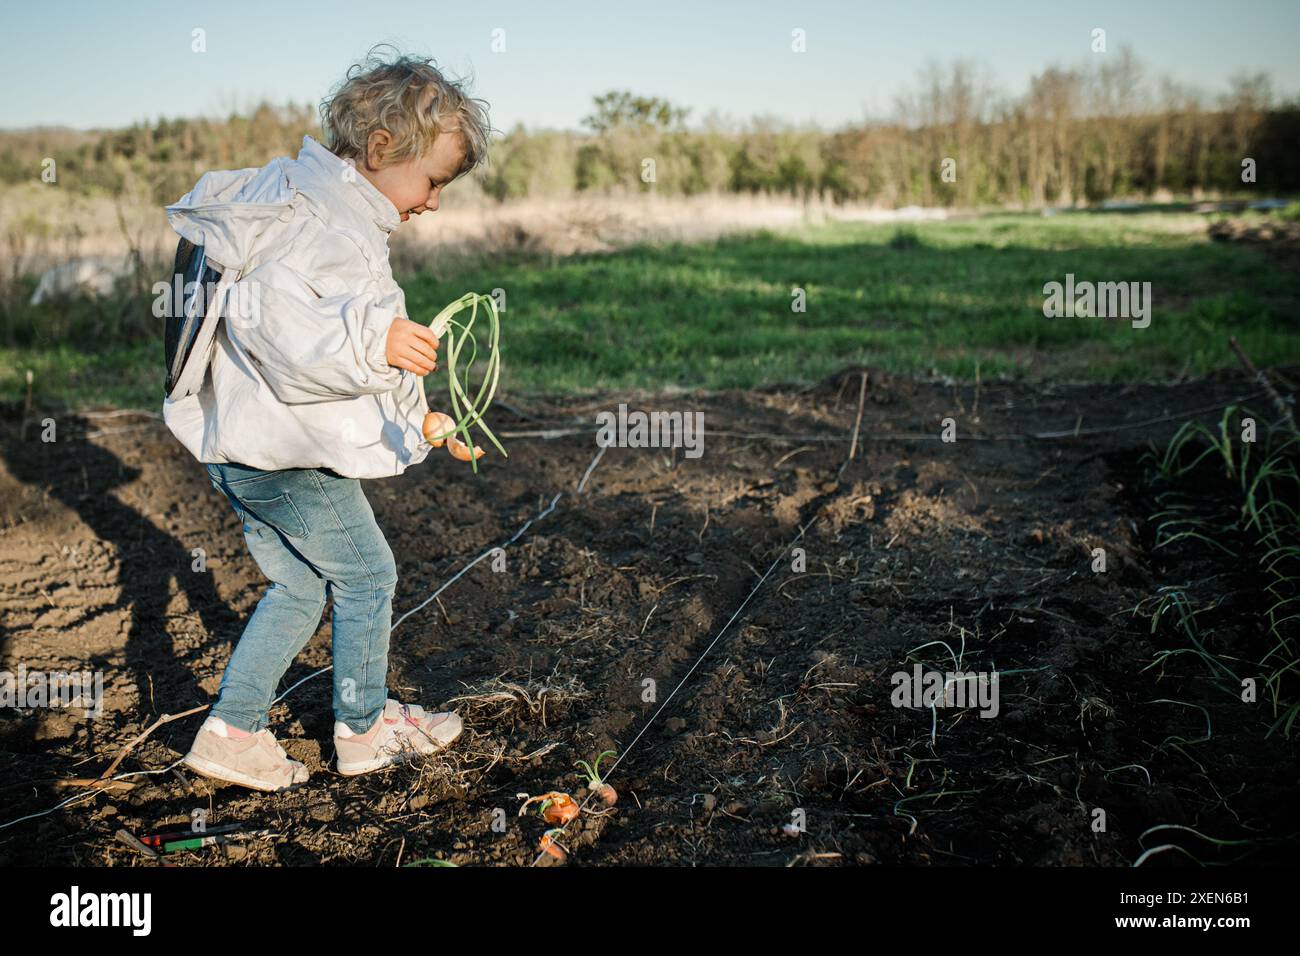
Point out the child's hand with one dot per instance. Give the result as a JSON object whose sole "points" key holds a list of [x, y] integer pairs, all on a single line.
{"points": [[411, 346]]}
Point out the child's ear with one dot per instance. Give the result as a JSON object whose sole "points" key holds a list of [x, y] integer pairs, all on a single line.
{"points": [[377, 145]]}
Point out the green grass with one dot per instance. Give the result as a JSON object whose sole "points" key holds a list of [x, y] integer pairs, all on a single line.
{"points": [[929, 298]]}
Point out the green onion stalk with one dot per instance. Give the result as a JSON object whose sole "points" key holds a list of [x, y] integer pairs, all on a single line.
{"points": [[466, 411]]}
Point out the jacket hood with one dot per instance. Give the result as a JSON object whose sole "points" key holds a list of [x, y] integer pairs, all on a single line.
{"points": [[228, 210], [335, 184]]}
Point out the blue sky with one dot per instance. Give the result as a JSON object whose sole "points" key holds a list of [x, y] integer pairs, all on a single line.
{"points": [[92, 64]]}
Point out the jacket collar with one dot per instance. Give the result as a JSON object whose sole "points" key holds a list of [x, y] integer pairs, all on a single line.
{"points": [[333, 176]]}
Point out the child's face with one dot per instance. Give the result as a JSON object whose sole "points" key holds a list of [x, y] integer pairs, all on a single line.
{"points": [[413, 186]]}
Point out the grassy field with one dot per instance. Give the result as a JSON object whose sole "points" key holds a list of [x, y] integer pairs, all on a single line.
{"points": [[936, 298]]}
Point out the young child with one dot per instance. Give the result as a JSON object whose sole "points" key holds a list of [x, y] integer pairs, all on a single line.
{"points": [[316, 381]]}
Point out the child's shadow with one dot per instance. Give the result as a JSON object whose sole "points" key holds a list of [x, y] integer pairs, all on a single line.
{"points": [[82, 476]]}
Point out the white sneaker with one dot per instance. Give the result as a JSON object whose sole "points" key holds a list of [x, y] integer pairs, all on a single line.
{"points": [[401, 732], [257, 761]]}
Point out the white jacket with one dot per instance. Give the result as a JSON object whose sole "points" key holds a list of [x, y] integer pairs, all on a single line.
{"points": [[298, 377]]}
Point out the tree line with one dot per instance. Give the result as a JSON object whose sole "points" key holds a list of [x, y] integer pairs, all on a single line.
{"points": [[1088, 133]]}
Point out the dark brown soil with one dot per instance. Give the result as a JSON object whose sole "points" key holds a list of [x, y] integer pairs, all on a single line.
{"points": [[984, 544], [1279, 232]]}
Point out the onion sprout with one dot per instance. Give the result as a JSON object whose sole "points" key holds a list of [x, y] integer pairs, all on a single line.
{"points": [[458, 391]]}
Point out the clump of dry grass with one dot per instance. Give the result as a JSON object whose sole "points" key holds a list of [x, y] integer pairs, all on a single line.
{"points": [[454, 772], [497, 700], [458, 771], [553, 634]]}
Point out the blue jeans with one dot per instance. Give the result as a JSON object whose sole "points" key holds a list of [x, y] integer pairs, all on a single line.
{"points": [[312, 533]]}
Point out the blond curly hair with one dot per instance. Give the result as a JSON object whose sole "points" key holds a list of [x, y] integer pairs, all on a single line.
{"points": [[410, 98]]}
